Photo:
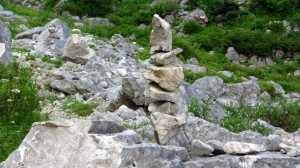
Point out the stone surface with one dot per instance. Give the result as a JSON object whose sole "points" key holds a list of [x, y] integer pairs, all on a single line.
{"points": [[295, 152], [217, 146], [232, 54], [134, 88], [245, 92], [211, 86], [52, 39], [164, 58], [161, 36], [194, 68], [126, 113], [5, 54], [200, 148], [169, 130], [5, 35], [272, 143], [30, 33], [157, 94], [197, 128], [260, 160], [99, 21], [67, 144], [196, 14], [167, 77], [234, 147], [105, 127], [77, 50]]}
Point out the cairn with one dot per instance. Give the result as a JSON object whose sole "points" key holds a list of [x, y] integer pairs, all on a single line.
{"points": [[164, 90]]}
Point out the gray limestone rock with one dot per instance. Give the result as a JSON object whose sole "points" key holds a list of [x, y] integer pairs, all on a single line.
{"points": [[234, 147], [105, 127], [200, 148], [194, 68], [155, 93], [68, 144], [232, 54], [211, 86], [5, 35], [52, 39], [5, 54], [169, 130], [164, 58], [167, 77], [77, 50], [29, 33], [161, 35], [246, 92]]}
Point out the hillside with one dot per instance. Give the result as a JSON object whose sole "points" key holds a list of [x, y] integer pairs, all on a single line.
{"points": [[201, 78]]}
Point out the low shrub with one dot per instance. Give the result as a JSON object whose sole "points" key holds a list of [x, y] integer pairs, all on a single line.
{"points": [[19, 106], [80, 108]]}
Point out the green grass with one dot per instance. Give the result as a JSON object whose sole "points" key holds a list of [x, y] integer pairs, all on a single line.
{"points": [[19, 106], [56, 63], [286, 116], [80, 108]]}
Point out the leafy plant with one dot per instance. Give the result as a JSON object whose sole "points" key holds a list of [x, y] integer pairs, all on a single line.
{"points": [[81, 108], [56, 63], [19, 106], [200, 110]]}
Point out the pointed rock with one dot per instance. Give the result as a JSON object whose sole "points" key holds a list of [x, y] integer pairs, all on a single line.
{"points": [[161, 35]]}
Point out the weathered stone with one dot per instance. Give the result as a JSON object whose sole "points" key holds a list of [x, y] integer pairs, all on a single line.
{"points": [[164, 58], [169, 130], [246, 92], [234, 147], [196, 14], [167, 77], [162, 107], [52, 39], [155, 93], [134, 88], [194, 68], [272, 143], [226, 73], [126, 113], [260, 160], [200, 148], [212, 86], [77, 50], [30, 33], [106, 116], [105, 127], [232, 54], [294, 152], [69, 145], [99, 21], [5, 35], [5, 54], [217, 145], [197, 128], [161, 35]]}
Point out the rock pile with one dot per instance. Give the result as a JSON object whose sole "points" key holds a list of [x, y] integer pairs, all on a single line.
{"points": [[164, 90]]}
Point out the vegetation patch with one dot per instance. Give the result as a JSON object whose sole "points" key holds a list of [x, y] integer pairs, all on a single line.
{"points": [[19, 106], [80, 108]]}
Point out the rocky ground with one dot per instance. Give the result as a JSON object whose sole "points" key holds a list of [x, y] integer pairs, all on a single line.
{"points": [[143, 119]]}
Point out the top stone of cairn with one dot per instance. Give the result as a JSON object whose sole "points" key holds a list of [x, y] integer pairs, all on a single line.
{"points": [[161, 35]]}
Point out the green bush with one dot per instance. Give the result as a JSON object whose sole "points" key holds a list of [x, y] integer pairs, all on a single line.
{"points": [[277, 7], [19, 105], [81, 108], [200, 110], [90, 8], [192, 27], [285, 115]]}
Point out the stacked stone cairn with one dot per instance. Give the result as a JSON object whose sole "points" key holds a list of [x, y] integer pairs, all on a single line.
{"points": [[164, 91]]}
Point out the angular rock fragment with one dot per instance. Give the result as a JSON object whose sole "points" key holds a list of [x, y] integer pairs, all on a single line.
{"points": [[161, 36]]}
